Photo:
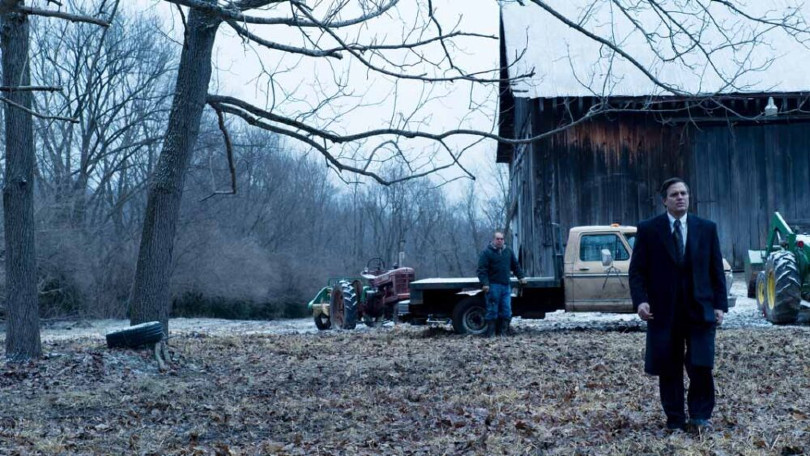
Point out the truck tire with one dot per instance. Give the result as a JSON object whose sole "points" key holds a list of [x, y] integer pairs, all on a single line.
{"points": [[469, 316], [135, 336], [322, 322], [761, 291], [783, 291], [343, 306]]}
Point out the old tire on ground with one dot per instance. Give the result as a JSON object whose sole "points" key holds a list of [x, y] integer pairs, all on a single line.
{"points": [[761, 293], [322, 322], [782, 290], [468, 315], [343, 307], [135, 336]]}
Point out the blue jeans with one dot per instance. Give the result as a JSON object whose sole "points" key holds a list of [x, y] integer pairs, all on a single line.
{"points": [[499, 301]]}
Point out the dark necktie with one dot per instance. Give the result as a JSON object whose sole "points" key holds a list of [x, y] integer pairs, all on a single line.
{"points": [[677, 236]]}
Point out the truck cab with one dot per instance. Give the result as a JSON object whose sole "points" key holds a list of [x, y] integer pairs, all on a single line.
{"points": [[596, 269]]}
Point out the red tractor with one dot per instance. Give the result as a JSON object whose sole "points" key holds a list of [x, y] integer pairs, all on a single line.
{"points": [[371, 298]]}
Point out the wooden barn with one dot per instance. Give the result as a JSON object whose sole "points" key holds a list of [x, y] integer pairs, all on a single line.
{"points": [[744, 153]]}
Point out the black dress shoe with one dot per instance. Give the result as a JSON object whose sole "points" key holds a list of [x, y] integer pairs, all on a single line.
{"points": [[676, 426]]}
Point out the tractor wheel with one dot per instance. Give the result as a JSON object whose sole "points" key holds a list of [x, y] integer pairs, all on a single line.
{"points": [[322, 321], [343, 307], [782, 290], [761, 291], [468, 316]]}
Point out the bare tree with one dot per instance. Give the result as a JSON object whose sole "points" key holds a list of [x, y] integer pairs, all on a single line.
{"points": [[22, 339]]}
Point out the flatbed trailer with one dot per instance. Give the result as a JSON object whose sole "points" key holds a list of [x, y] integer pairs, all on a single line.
{"points": [[461, 301]]}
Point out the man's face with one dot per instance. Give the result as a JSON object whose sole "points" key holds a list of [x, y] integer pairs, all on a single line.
{"points": [[497, 240], [677, 200]]}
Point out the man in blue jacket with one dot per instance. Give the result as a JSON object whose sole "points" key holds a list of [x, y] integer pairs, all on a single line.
{"points": [[679, 289], [495, 266]]}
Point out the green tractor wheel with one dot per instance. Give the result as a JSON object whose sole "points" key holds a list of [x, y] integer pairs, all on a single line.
{"points": [[343, 306], [782, 290]]}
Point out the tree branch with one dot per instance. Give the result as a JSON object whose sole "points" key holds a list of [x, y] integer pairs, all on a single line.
{"points": [[36, 114], [282, 47], [234, 13], [61, 15], [614, 47], [327, 29], [228, 145], [30, 89]]}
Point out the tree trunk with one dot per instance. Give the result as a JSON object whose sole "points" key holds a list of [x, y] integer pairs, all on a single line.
{"points": [[150, 298], [22, 332]]}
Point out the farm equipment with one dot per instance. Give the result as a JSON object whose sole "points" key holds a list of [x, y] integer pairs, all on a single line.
{"points": [[779, 276], [372, 298]]}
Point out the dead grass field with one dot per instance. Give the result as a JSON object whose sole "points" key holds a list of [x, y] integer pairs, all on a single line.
{"points": [[399, 391]]}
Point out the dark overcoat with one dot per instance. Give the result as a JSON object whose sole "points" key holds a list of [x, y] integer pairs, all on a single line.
{"points": [[653, 269]]}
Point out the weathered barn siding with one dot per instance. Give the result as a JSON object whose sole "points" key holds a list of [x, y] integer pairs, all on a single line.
{"points": [[742, 173], [608, 170]]}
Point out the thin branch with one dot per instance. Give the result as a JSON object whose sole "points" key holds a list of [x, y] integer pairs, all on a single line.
{"points": [[36, 114], [328, 30], [61, 15], [228, 146], [30, 89], [234, 13], [282, 47], [331, 159], [616, 48]]}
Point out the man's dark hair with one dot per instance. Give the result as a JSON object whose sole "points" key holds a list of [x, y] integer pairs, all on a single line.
{"points": [[669, 183]]}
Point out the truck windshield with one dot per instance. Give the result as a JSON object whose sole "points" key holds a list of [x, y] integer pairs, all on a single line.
{"points": [[631, 239]]}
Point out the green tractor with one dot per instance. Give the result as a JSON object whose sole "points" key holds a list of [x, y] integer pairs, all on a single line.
{"points": [[779, 276], [372, 298]]}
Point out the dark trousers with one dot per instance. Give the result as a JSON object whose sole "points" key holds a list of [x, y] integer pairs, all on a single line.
{"points": [[700, 397]]}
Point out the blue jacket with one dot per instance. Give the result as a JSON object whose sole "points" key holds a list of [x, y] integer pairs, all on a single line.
{"points": [[495, 266]]}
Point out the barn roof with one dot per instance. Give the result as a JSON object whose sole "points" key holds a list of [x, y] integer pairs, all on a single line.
{"points": [[567, 63]]}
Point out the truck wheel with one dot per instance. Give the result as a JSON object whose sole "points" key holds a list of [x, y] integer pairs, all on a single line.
{"points": [[468, 316], [782, 291], [761, 291], [135, 336], [322, 321], [343, 306]]}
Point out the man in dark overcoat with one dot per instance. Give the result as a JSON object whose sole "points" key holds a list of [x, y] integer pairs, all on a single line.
{"points": [[678, 288]]}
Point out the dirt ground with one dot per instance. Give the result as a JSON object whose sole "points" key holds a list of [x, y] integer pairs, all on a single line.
{"points": [[566, 385]]}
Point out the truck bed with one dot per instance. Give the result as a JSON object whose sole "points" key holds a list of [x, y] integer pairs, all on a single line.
{"points": [[463, 283], [436, 298]]}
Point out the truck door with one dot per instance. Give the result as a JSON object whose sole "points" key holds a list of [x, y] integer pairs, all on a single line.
{"points": [[594, 287]]}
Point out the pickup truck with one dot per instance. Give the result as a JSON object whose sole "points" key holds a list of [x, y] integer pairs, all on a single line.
{"points": [[591, 275]]}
